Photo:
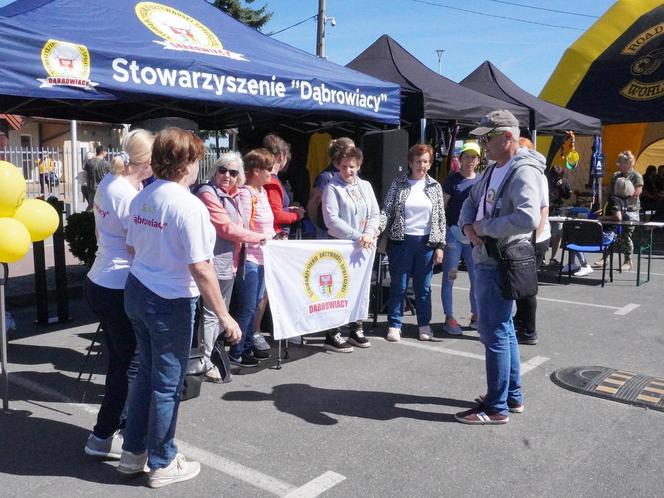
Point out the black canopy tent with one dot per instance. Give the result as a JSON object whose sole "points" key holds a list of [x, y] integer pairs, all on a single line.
{"points": [[424, 93], [544, 117]]}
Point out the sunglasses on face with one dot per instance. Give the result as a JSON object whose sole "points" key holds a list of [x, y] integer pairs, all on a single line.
{"points": [[233, 172], [493, 133]]}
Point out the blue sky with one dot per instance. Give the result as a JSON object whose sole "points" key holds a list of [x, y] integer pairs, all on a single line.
{"points": [[527, 53]]}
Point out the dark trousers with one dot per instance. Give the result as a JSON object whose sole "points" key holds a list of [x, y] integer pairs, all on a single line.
{"points": [[526, 308], [120, 342]]}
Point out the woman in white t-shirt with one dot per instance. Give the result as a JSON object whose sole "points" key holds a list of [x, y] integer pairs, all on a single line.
{"points": [[104, 286], [525, 319], [414, 217], [173, 240]]}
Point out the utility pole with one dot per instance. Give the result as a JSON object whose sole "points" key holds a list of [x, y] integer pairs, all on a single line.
{"points": [[320, 32], [439, 52]]}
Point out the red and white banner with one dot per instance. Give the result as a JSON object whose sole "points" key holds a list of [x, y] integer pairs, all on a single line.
{"points": [[316, 285]]}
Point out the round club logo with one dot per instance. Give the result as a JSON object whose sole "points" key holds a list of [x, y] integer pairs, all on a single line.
{"points": [[180, 31], [67, 64], [647, 64], [326, 276]]}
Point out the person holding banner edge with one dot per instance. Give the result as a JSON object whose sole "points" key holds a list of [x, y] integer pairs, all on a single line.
{"points": [[250, 284], [414, 216], [350, 212]]}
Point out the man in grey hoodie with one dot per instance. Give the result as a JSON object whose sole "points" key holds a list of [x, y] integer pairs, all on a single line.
{"points": [[503, 207]]}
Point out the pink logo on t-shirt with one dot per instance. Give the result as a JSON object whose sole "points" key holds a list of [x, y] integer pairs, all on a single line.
{"points": [[139, 220], [99, 210]]}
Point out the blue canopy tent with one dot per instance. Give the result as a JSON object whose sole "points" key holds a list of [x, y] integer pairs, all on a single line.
{"points": [[124, 60]]}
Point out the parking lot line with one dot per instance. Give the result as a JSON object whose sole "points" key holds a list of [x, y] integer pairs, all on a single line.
{"points": [[526, 366], [619, 310], [311, 489]]}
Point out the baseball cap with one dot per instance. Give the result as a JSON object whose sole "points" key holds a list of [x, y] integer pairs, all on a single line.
{"points": [[495, 120], [470, 147]]}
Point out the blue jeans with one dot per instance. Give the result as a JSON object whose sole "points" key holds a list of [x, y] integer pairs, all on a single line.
{"points": [[503, 366], [248, 292], [454, 250], [412, 257], [120, 341], [164, 330]]}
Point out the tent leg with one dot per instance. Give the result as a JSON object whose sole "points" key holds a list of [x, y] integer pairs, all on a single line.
{"points": [[423, 130], [3, 342]]}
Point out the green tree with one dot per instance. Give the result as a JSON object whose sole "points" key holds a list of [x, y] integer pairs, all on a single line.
{"points": [[256, 18]]}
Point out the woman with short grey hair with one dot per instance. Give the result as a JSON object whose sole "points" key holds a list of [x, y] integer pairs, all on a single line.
{"points": [[218, 195]]}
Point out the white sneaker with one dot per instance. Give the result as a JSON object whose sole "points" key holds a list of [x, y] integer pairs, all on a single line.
{"points": [[132, 463], [393, 334], [111, 447], [295, 340], [259, 342], [178, 470], [426, 334], [575, 268], [213, 375], [583, 271]]}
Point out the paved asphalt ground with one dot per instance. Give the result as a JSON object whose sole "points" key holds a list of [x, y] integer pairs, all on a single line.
{"points": [[377, 422]]}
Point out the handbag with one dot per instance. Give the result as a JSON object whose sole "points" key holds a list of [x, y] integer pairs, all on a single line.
{"points": [[219, 358], [518, 270]]}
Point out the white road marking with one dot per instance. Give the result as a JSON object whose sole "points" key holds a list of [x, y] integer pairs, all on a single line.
{"points": [[317, 486], [526, 366], [241, 472], [626, 309], [236, 470], [531, 364], [440, 349], [619, 310]]}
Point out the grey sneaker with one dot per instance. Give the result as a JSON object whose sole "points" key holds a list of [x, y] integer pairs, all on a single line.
{"points": [[426, 334], [213, 375], [132, 463], [260, 343], [111, 447], [178, 470]]}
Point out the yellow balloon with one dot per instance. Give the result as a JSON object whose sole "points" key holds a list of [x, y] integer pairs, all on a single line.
{"points": [[39, 217], [12, 189], [15, 240]]}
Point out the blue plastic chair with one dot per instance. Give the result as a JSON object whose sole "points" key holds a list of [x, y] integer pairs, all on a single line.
{"points": [[586, 236]]}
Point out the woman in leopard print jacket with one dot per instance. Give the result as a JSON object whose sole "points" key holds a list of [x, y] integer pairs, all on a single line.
{"points": [[414, 217]]}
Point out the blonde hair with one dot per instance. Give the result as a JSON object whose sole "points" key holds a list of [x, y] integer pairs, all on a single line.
{"points": [[623, 187], [136, 149], [628, 157], [225, 160]]}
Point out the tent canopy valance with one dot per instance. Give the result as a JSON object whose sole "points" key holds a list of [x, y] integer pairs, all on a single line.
{"points": [[124, 60]]}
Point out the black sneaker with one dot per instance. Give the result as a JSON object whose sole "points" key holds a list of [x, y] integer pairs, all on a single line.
{"points": [[337, 344], [356, 338], [259, 354], [245, 361], [527, 338]]}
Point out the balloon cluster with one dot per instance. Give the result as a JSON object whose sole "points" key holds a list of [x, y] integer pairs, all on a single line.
{"points": [[22, 220]]}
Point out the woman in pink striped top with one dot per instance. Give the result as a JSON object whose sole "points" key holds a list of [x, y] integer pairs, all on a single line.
{"points": [[249, 287]]}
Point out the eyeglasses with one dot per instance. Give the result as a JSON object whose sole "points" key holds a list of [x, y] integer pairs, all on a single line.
{"points": [[233, 172], [493, 133]]}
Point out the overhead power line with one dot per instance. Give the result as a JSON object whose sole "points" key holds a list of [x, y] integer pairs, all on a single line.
{"points": [[544, 8], [496, 16], [292, 25]]}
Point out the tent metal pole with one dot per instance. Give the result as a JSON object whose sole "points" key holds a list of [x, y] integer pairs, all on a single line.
{"points": [[74, 166], [533, 134], [3, 341], [423, 128]]}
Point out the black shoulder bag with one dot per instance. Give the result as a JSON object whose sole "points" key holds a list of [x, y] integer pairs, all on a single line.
{"points": [[518, 267]]}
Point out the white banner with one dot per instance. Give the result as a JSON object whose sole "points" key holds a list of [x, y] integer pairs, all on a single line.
{"points": [[316, 285]]}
